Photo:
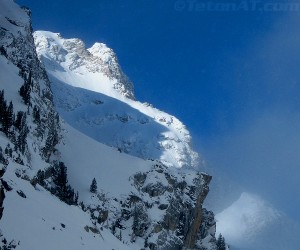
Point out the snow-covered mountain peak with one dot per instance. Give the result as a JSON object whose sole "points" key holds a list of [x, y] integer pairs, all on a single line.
{"points": [[100, 108], [97, 68], [102, 51]]}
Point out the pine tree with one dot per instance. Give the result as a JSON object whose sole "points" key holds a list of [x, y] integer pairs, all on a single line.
{"points": [[36, 114], [60, 178], [2, 159], [52, 137], [22, 138], [18, 120], [2, 105], [3, 108], [26, 89], [62, 190], [93, 187], [221, 245], [76, 196], [8, 118]]}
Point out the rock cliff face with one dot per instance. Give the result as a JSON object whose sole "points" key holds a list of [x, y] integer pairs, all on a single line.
{"points": [[198, 215], [20, 64], [140, 203], [2, 196], [164, 210], [17, 45]]}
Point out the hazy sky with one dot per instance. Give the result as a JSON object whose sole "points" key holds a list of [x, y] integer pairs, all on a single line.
{"points": [[231, 76]]}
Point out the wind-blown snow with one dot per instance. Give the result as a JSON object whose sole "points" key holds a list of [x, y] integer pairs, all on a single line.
{"points": [[251, 223]]}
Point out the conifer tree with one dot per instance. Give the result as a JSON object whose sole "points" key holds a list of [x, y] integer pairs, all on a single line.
{"points": [[3, 108], [52, 136], [93, 187], [7, 120], [18, 120], [60, 177], [2, 103], [221, 245], [2, 159], [63, 190], [21, 140], [36, 114], [26, 89]]}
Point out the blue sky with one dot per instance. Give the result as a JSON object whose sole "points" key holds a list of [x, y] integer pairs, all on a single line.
{"points": [[231, 76], [184, 62]]}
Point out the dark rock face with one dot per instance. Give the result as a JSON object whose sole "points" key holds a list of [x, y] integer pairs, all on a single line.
{"points": [[197, 216], [2, 196], [2, 193], [166, 211], [19, 48]]}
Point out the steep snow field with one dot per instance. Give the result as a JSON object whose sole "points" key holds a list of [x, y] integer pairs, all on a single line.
{"points": [[41, 221], [110, 167]]}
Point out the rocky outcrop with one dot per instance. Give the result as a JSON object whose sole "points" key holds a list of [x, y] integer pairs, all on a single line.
{"points": [[191, 237], [166, 210], [3, 186], [2, 196], [17, 45], [18, 49]]}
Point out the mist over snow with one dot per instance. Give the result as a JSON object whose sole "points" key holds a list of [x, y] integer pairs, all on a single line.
{"points": [[264, 158], [251, 223], [259, 153]]}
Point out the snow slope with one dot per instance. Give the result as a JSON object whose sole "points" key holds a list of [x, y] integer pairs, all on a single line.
{"points": [[41, 221], [105, 163], [87, 99]]}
